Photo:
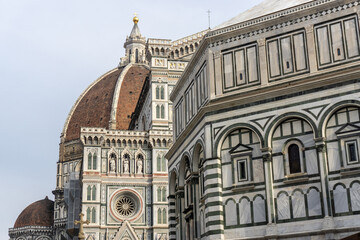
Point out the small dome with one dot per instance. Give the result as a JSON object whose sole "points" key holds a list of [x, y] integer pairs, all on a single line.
{"points": [[39, 213]]}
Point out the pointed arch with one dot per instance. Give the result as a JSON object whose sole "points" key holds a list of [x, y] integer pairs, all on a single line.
{"points": [[94, 163], [159, 216], [89, 161], [159, 194], [163, 195], [158, 162], [164, 216], [162, 92], [88, 192], [162, 111], [88, 213], [93, 193], [163, 163], [157, 111], [157, 92], [93, 215]]}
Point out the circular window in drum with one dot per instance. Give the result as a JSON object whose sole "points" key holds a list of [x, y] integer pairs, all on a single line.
{"points": [[125, 206]]}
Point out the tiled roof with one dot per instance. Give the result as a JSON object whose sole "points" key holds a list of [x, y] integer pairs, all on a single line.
{"points": [[40, 213], [93, 109]]}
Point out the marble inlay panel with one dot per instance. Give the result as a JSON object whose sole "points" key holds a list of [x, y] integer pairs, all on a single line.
{"points": [[245, 215], [298, 205], [283, 207], [355, 197], [340, 199], [230, 213], [314, 204], [259, 210]]}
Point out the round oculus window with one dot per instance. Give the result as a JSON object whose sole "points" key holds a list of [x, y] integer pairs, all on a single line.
{"points": [[125, 206]]}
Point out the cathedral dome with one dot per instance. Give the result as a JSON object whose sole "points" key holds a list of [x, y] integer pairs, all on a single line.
{"points": [[39, 213], [108, 102]]}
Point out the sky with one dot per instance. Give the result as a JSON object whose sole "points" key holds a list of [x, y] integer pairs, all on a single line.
{"points": [[50, 51]]}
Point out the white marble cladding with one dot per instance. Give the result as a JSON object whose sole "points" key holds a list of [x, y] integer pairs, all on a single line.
{"points": [[113, 132], [190, 38], [265, 18]]}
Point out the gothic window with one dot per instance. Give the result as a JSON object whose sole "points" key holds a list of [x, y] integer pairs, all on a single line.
{"points": [[164, 215], [157, 111], [93, 193], [162, 93], [94, 163], [162, 111], [159, 194], [157, 92], [88, 197], [89, 161], [159, 216], [158, 165], [164, 194], [88, 214], [163, 164], [294, 158], [93, 215]]}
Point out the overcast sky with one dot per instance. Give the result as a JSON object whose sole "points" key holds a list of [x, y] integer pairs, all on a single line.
{"points": [[50, 51]]}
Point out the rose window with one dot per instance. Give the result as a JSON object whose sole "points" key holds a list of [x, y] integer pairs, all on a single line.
{"points": [[125, 206]]}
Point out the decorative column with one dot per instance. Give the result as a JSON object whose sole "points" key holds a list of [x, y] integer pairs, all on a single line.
{"points": [[196, 199], [271, 231], [328, 224], [321, 151], [214, 213]]}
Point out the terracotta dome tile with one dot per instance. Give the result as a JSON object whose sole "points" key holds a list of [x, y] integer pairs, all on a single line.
{"points": [[39, 213]]}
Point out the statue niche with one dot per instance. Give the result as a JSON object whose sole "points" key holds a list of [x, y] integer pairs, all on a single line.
{"points": [[112, 163], [140, 164], [126, 163]]}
